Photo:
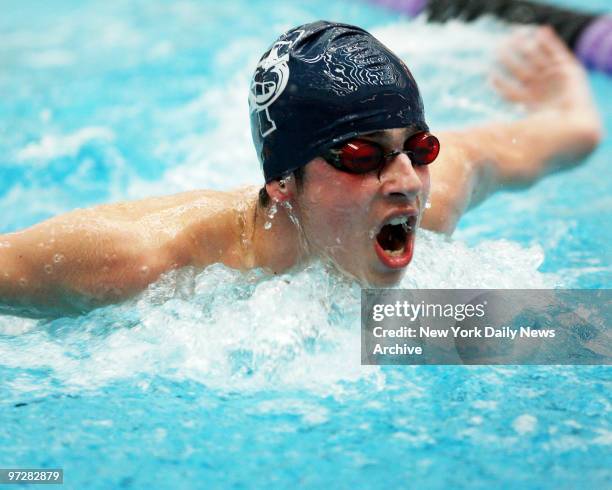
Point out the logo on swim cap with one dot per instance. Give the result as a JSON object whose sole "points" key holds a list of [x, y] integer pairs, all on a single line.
{"points": [[270, 79]]}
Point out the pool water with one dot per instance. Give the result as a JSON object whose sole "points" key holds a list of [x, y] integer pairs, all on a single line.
{"points": [[219, 379]]}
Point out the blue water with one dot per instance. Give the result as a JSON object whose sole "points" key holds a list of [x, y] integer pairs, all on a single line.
{"points": [[216, 379]]}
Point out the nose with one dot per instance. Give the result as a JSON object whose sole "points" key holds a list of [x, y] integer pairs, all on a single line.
{"points": [[400, 179]]}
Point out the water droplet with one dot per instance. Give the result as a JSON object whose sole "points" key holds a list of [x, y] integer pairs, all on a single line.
{"points": [[105, 269], [23, 282], [272, 211], [57, 258], [144, 270], [428, 204], [291, 214], [48, 268]]}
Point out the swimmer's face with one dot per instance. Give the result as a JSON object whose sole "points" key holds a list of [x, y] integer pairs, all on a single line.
{"points": [[365, 223]]}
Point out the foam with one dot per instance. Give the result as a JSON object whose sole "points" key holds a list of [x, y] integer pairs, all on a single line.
{"points": [[248, 332]]}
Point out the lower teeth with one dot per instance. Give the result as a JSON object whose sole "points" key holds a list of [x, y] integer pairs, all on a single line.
{"points": [[395, 253]]}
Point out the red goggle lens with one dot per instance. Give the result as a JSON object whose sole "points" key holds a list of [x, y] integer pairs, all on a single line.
{"points": [[423, 148], [361, 156]]}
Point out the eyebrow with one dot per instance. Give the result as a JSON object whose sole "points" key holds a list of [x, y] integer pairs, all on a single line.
{"points": [[374, 133]]}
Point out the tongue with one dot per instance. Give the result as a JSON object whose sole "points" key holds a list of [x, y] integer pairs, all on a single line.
{"points": [[392, 237]]}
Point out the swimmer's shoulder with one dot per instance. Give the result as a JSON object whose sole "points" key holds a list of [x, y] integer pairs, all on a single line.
{"points": [[198, 227], [195, 204], [210, 224]]}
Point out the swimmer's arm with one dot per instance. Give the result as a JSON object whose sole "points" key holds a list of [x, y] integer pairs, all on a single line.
{"points": [[476, 162], [87, 258], [563, 126]]}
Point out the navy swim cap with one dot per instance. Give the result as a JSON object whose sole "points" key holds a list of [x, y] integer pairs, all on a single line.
{"points": [[323, 83]]}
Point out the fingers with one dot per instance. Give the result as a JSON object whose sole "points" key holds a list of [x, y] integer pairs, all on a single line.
{"points": [[551, 44], [528, 46], [540, 71], [508, 88], [515, 66], [530, 53], [520, 56], [539, 47]]}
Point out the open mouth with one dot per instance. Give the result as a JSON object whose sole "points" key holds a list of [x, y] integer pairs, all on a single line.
{"points": [[394, 242]]}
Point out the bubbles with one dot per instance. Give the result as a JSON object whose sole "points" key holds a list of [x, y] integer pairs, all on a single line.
{"points": [[48, 268], [58, 258]]}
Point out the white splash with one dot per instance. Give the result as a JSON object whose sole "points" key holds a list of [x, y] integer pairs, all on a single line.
{"points": [[525, 424], [57, 145], [231, 330]]}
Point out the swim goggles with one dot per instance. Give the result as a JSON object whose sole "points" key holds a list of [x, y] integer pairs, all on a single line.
{"points": [[359, 156]]}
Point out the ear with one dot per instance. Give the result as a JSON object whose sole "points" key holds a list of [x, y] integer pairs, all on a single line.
{"points": [[281, 190]]}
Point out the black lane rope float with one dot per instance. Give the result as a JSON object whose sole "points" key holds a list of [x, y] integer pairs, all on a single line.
{"points": [[588, 35]]}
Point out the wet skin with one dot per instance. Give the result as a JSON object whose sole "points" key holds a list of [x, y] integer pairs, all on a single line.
{"points": [[341, 213], [89, 257]]}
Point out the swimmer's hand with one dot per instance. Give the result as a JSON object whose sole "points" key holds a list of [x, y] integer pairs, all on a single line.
{"points": [[562, 126], [537, 70]]}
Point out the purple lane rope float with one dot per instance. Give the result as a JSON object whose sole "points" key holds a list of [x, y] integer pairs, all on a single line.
{"points": [[589, 35]]}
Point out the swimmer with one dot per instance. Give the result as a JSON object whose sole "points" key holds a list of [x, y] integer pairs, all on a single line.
{"points": [[349, 165]]}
